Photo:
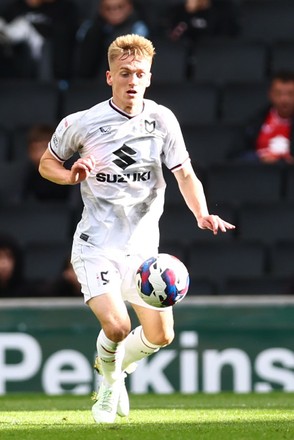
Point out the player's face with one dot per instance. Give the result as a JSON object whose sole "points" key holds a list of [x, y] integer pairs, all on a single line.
{"points": [[129, 78], [282, 97]]}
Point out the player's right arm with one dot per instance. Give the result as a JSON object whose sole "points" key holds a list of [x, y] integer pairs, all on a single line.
{"points": [[52, 169]]}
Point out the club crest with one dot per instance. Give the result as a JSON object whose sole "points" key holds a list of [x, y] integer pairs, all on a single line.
{"points": [[149, 126]]}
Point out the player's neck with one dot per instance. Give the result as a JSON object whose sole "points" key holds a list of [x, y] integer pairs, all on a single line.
{"points": [[131, 110]]}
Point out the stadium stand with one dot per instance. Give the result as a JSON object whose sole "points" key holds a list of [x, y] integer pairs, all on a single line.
{"points": [[209, 144], [223, 61], [202, 286], [268, 222], [166, 54], [239, 183], [179, 222], [239, 101], [37, 222], [44, 260], [289, 183], [191, 102], [229, 85], [218, 261], [282, 57], [83, 94], [26, 102], [281, 258], [267, 20], [258, 285], [4, 144], [11, 180]]}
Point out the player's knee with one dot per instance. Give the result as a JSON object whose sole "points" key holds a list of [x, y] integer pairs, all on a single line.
{"points": [[164, 338], [168, 337], [117, 332]]}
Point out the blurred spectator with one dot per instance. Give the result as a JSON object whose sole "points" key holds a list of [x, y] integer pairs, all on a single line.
{"points": [[12, 281], [114, 18], [193, 19], [269, 136], [67, 283], [35, 187], [38, 38]]}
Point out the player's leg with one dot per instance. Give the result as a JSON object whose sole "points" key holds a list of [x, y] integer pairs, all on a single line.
{"points": [[100, 283], [156, 331], [112, 314], [115, 322]]}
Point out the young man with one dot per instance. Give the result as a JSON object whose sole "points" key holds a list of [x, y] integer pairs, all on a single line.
{"points": [[269, 137], [123, 143]]}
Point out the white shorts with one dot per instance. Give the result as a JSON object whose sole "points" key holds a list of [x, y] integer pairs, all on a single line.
{"points": [[100, 273]]}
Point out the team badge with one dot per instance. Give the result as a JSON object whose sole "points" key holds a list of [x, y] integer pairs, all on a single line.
{"points": [[149, 126]]}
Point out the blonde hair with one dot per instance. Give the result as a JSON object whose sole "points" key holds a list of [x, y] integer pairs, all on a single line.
{"points": [[131, 44]]}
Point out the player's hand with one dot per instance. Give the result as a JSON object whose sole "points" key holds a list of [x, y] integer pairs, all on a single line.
{"points": [[214, 223], [81, 169]]}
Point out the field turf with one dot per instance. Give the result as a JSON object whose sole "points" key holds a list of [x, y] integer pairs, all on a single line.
{"points": [[223, 416]]}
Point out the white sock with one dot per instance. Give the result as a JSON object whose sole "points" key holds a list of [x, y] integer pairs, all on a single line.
{"points": [[111, 355], [137, 347]]}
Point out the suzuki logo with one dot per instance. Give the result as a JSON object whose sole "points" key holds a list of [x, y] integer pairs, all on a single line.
{"points": [[124, 160]]}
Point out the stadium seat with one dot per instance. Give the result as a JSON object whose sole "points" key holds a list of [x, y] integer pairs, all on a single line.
{"points": [[191, 103], [166, 54], [242, 182], [223, 61], [11, 181], [178, 223], [219, 261], [19, 151], [176, 248], [173, 195], [86, 8], [289, 183], [209, 144], [155, 13], [240, 102], [282, 258], [267, 20], [260, 285], [37, 222], [201, 287], [267, 222], [27, 102], [3, 5], [282, 57], [83, 94], [4, 144], [45, 260]]}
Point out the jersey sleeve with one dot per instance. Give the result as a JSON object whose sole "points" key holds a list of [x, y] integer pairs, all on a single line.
{"points": [[175, 153], [67, 138]]}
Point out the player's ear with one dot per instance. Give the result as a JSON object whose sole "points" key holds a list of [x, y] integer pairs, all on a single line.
{"points": [[108, 78], [149, 80]]}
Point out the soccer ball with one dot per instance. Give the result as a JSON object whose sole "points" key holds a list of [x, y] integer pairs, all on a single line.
{"points": [[162, 281]]}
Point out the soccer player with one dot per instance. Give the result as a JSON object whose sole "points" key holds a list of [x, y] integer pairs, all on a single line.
{"points": [[123, 143]]}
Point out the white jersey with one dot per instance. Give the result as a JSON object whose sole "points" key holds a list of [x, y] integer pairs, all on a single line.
{"points": [[124, 195]]}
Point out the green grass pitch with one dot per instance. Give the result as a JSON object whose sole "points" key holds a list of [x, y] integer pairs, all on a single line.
{"points": [[224, 416]]}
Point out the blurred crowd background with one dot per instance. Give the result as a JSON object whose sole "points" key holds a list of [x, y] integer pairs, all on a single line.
{"points": [[226, 69]]}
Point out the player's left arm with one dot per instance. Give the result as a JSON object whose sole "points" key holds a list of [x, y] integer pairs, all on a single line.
{"points": [[193, 193]]}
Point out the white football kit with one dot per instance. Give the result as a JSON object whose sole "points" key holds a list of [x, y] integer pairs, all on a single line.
{"points": [[124, 195]]}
